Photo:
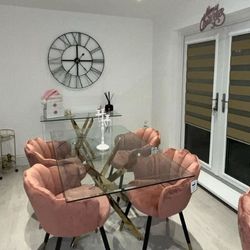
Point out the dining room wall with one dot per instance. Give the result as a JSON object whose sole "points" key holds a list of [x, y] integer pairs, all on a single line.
{"points": [[168, 47], [167, 93], [26, 35]]}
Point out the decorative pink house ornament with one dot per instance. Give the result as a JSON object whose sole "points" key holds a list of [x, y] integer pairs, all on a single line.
{"points": [[213, 16]]}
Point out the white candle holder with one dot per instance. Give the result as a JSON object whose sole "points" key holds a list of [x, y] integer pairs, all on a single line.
{"points": [[104, 121]]}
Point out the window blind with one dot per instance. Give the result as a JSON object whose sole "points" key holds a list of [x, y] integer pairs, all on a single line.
{"points": [[239, 90], [199, 85]]}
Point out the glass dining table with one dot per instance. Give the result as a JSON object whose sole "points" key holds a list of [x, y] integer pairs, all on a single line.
{"points": [[85, 175]]}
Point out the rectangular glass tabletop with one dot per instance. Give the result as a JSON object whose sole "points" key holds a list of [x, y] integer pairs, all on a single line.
{"points": [[85, 170]]}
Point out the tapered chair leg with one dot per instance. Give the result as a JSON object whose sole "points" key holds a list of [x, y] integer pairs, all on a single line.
{"points": [[46, 238], [104, 238], [147, 232], [185, 230], [72, 244], [58, 243]]}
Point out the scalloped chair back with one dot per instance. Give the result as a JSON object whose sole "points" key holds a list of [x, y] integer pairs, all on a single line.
{"points": [[57, 217], [167, 199], [39, 151], [132, 143], [151, 136]]}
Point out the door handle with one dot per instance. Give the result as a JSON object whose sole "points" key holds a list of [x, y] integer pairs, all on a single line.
{"points": [[224, 101], [215, 107]]}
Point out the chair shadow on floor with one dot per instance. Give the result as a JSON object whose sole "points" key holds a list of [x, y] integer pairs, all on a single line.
{"points": [[163, 236]]}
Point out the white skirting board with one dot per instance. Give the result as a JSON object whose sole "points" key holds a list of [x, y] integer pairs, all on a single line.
{"points": [[219, 189]]}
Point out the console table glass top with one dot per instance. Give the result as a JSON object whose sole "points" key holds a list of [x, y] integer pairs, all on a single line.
{"points": [[77, 116]]}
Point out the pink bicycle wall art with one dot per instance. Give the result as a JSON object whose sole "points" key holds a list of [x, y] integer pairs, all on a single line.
{"points": [[214, 16]]}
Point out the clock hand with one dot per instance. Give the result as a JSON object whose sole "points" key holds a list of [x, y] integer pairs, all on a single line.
{"points": [[77, 51], [71, 67], [89, 60], [68, 60], [77, 60], [77, 68], [83, 67]]}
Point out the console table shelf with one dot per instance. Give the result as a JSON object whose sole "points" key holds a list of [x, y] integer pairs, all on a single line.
{"points": [[7, 149]]}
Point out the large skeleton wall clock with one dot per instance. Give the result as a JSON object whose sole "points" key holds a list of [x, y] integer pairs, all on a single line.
{"points": [[76, 60]]}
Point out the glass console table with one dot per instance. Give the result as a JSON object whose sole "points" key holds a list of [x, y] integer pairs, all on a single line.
{"points": [[81, 130], [80, 172]]}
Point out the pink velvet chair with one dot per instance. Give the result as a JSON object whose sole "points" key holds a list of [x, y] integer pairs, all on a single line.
{"points": [[131, 144], [167, 199], [56, 216], [244, 220], [39, 151]]}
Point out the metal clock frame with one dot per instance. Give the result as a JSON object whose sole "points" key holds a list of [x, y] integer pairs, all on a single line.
{"points": [[95, 60]]}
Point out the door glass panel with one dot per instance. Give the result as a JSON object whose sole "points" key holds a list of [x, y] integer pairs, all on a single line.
{"points": [[238, 119], [197, 140], [199, 92]]}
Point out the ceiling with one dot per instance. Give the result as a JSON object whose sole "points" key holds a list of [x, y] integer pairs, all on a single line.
{"points": [[127, 8]]}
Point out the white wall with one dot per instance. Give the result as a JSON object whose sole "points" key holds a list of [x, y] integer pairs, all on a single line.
{"points": [[26, 35], [168, 60], [167, 78]]}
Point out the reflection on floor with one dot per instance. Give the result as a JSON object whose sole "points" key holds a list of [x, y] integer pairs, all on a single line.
{"points": [[211, 225]]}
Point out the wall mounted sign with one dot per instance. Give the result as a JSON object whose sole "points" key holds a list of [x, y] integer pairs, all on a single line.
{"points": [[213, 16], [76, 60]]}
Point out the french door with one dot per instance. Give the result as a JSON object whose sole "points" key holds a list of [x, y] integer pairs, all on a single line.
{"points": [[217, 101]]}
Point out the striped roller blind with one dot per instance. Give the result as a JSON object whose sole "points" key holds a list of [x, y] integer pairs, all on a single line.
{"points": [[199, 84], [239, 90]]}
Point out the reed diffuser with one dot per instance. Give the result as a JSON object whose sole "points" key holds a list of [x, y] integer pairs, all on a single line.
{"points": [[108, 107]]}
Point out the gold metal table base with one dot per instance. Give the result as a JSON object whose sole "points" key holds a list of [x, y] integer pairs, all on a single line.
{"points": [[81, 134], [99, 178], [106, 185]]}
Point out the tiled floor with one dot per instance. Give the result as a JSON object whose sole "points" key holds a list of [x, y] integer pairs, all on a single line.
{"points": [[211, 225]]}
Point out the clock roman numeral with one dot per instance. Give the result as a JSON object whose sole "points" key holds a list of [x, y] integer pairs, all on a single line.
{"points": [[67, 79], [87, 79], [79, 38], [58, 71], [57, 49], [78, 82], [87, 42], [75, 35], [95, 50], [96, 71], [56, 60], [98, 61], [65, 40]]}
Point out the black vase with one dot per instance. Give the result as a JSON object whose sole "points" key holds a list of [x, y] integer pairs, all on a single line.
{"points": [[108, 107]]}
